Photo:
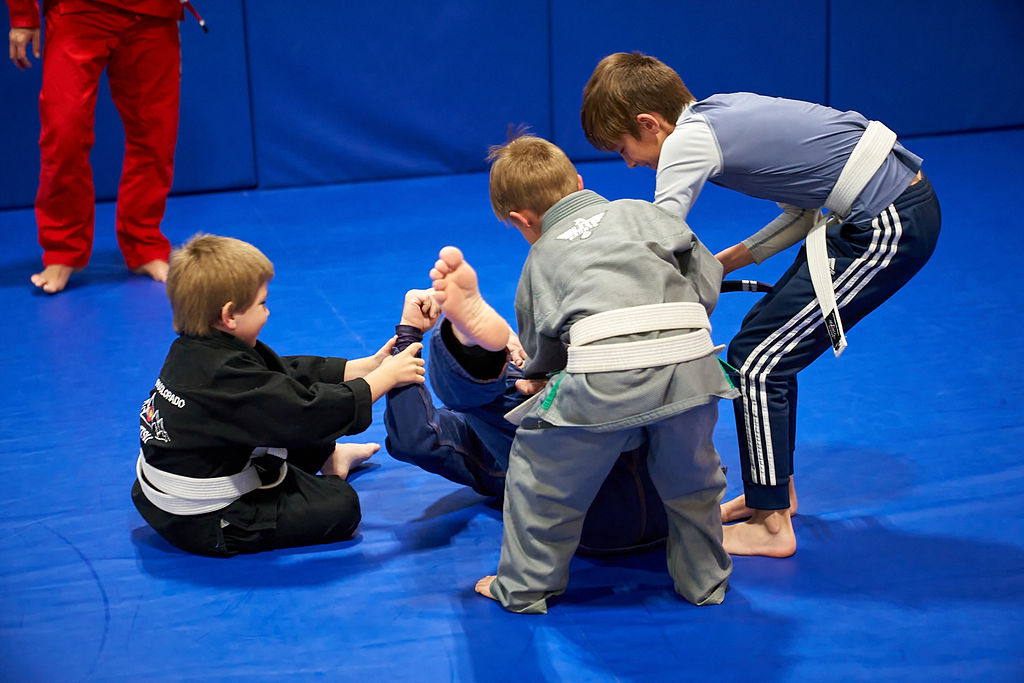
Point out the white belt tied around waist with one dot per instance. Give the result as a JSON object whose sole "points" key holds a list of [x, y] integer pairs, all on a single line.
{"points": [[867, 157], [180, 495], [647, 353]]}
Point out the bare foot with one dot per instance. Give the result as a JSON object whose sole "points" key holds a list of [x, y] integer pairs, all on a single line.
{"points": [[736, 509], [483, 587], [474, 321], [156, 269], [769, 533], [53, 278], [346, 456]]}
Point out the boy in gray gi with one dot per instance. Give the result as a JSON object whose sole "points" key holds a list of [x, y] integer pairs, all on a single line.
{"points": [[612, 306]]}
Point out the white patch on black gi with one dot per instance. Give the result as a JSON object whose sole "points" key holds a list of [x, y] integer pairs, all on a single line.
{"points": [[152, 426]]}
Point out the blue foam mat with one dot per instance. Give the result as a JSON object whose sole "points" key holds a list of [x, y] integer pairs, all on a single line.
{"points": [[910, 563]]}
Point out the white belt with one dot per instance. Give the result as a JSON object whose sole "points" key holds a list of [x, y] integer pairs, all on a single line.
{"points": [[647, 353], [867, 157], [180, 495]]}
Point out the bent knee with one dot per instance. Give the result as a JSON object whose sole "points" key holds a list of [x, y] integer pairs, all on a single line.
{"points": [[408, 451]]}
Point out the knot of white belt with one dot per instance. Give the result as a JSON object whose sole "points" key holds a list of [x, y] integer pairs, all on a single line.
{"points": [[647, 353]]}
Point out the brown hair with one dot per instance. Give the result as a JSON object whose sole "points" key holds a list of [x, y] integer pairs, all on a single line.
{"points": [[529, 173], [624, 85], [207, 272]]}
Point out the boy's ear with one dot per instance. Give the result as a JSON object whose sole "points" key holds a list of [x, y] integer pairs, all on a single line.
{"points": [[527, 222], [519, 220], [579, 181], [649, 121], [227, 316]]}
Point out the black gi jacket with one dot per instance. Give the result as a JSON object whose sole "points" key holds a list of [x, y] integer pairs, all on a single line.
{"points": [[217, 399]]}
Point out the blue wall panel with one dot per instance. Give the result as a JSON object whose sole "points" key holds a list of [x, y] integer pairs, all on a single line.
{"points": [[215, 136], [361, 91], [215, 130], [715, 47], [19, 145], [365, 92], [933, 67]]}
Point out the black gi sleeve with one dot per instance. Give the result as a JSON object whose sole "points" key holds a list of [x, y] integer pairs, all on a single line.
{"points": [[309, 369], [254, 404]]}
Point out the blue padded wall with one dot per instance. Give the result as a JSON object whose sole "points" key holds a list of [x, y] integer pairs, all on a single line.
{"points": [[215, 133], [935, 67], [19, 97], [215, 129], [715, 47], [365, 91]]}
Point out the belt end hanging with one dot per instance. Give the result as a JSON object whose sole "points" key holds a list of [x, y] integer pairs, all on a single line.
{"points": [[202, 24], [834, 327]]}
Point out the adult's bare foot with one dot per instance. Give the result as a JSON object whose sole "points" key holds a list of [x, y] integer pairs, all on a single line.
{"points": [[53, 279], [768, 533], [736, 509], [346, 456], [474, 321], [156, 269]]}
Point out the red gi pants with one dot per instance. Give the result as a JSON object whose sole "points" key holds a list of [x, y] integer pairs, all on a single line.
{"points": [[142, 56]]}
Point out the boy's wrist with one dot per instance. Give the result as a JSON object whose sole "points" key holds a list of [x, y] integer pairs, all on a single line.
{"points": [[380, 381]]}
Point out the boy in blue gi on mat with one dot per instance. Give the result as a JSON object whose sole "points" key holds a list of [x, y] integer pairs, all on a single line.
{"points": [[468, 439]]}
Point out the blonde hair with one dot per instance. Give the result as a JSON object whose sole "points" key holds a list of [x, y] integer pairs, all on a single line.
{"points": [[529, 173], [209, 271], [624, 85]]}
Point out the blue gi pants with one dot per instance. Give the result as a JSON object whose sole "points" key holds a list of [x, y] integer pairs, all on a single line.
{"points": [[468, 442], [783, 333]]}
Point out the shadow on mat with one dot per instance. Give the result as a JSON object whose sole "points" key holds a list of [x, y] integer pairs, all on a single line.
{"points": [[316, 564], [864, 558], [105, 267]]}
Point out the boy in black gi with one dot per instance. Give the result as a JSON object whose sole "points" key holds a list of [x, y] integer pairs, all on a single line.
{"points": [[613, 305], [233, 435]]}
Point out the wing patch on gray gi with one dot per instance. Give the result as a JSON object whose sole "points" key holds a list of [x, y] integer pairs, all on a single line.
{"points": [[582, 228]]}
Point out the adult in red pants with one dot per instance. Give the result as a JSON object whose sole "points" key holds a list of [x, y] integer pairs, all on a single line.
{"points": [[137, 42]]}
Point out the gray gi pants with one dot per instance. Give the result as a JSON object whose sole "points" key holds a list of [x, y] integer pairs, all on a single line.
{"points": [[554, 474]]}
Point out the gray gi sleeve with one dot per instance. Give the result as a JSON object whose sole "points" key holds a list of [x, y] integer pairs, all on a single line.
{"points": [[689, 156], [787, 229]]}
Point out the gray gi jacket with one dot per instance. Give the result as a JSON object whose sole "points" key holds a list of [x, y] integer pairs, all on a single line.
{"points": [[595, 256]]}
